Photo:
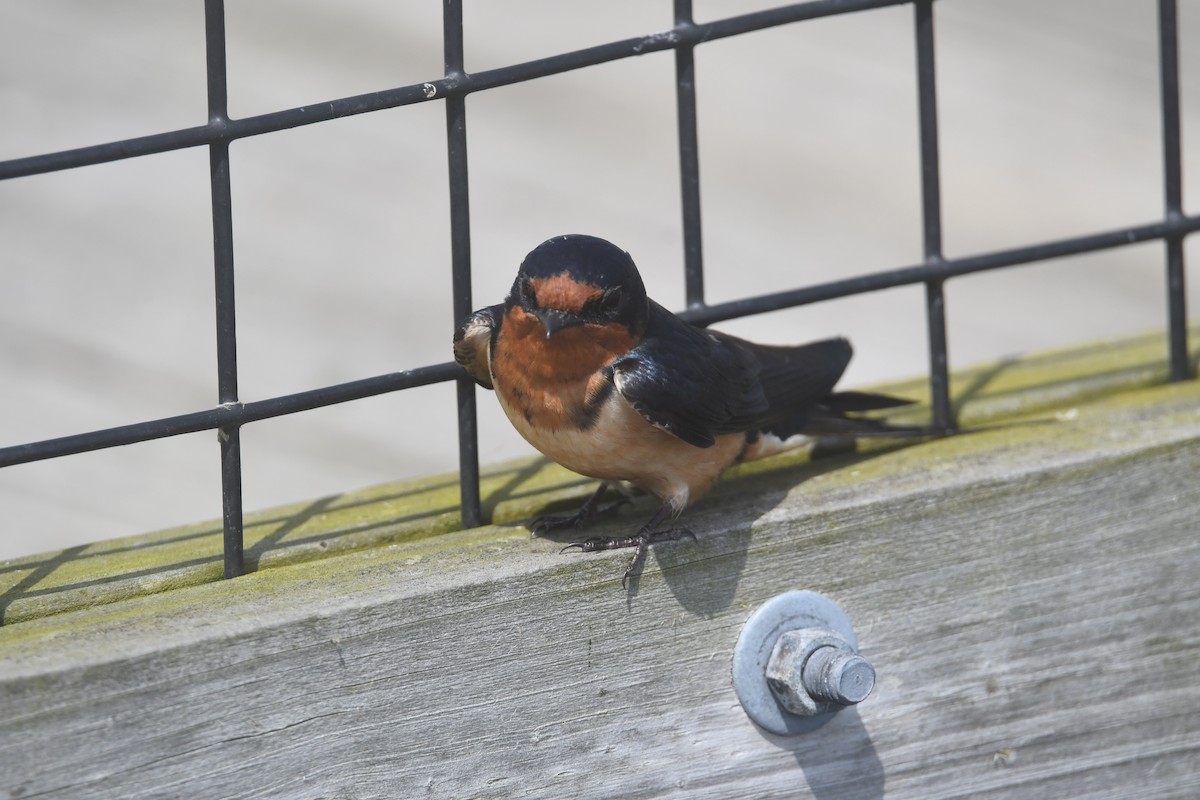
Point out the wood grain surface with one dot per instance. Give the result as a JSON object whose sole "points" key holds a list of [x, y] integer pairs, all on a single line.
{"points": [[1028, 597]]}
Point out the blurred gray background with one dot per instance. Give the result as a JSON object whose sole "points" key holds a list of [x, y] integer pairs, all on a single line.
{"points": [[809, 172]]}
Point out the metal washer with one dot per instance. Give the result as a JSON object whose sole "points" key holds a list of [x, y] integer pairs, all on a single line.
{"points": [[793, 610]]}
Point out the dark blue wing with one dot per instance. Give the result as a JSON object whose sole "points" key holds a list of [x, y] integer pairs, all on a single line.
{"points": [[795, 377], [798, 382], [693, 383]]}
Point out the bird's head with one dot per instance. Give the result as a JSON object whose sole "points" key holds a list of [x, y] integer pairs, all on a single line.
{"points": [[575, 280]]}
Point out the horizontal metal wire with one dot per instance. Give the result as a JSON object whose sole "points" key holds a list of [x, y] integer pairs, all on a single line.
{"points": [[223, 129], [239, 414], [233, 414], [220, 130], [941, 270]]}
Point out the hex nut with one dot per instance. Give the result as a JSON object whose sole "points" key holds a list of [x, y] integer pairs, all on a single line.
{"points": [[785, 669]]}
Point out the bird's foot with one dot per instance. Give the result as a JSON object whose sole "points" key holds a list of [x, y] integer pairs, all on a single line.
{"points": [[585, 516], [641, 540], [597, 543]]}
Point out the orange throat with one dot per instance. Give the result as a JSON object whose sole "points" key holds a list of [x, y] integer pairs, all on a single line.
{"points": [[553, 382]]}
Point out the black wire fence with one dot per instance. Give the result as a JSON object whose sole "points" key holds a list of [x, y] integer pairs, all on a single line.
{"points": [[230, 413]]}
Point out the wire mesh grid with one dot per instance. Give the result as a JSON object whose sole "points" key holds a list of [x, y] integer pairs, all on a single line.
{"points": [[452, 89]]}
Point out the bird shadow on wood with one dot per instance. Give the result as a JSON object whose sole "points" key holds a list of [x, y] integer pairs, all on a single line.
{"points": [[704, 574]]}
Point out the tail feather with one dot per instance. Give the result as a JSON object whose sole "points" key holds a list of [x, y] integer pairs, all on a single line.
{"points": [[863, 401], [821, 423], [798, 383], [824, 420]]}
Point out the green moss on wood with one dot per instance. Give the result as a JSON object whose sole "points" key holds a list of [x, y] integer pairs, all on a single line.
{"points": [[1050, 394]]}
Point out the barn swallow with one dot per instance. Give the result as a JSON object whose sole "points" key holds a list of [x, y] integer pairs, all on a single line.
{"points": [[610, 384]]}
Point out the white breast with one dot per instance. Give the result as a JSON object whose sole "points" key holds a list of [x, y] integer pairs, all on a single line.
{"points": [[622, 445]]}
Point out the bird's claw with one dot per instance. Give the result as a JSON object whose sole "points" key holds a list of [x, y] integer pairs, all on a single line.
{"points": [[597, 543], [581, 518], [641, 540]]}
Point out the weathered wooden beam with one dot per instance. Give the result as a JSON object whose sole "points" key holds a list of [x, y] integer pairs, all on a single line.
{"points": [[1029, 596]]}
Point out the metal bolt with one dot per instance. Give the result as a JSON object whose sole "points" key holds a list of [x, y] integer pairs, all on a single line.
{"points": [[796, 662], [837, 677], [813, 669]]}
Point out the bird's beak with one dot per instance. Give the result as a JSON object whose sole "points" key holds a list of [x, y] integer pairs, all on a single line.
{"points": [[554, 320]]}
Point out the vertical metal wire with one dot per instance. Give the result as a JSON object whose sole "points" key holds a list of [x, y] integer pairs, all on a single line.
{"points": [[689, 161], [1173, 187], [460, 261], [931, 206], [222, 214]]}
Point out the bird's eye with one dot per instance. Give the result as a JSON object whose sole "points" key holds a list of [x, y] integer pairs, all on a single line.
{"points": [[611, 299]]}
